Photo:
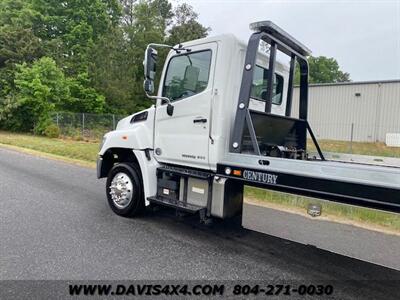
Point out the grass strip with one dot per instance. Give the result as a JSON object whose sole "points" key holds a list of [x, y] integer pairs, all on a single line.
{"points": [[81, 151]]}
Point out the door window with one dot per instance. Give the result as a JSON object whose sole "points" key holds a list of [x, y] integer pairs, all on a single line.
{"points": [[259, 86], [187, 75]]}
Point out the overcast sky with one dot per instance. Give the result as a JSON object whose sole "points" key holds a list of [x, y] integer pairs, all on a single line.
{"points": [[364, 36]]}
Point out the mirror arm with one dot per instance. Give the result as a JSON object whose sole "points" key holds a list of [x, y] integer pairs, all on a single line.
{"points": [[158, 97], [170, 107], [177, 50], [158, 46]]}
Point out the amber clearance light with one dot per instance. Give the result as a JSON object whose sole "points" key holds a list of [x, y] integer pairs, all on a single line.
{"points": [[237, 172]]}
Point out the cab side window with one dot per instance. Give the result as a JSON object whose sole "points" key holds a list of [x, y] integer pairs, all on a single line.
{"points": [[187, 75], [259, 86]]}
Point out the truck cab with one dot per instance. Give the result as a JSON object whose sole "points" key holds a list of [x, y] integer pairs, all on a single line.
{"points": [[199, 85], [202, 82], [203, 86]]}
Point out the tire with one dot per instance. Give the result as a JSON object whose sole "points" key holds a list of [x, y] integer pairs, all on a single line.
{"points": [[124, 190]]}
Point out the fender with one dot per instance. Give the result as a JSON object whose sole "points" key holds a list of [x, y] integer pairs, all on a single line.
{"points": [[131, 133], [132, 141], [148, 169], [144, 158]]}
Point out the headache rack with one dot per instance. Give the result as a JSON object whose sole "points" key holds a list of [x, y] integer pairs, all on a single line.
{"points": [[265, 146]]}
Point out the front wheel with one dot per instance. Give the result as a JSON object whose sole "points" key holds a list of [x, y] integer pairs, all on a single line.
{"points": [[124, 190]]}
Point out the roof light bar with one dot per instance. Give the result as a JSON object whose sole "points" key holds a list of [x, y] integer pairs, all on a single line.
{"points": [[277, 32]]}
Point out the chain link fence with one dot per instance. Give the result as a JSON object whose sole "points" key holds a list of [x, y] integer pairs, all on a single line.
{"points": [[349, 138], [85, 125], [358, 138]]}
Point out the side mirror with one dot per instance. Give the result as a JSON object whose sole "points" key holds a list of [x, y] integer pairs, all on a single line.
{"points": [[148, 86], [149, 63]]}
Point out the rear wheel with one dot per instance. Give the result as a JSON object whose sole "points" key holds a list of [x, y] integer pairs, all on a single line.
{"points": [[124, 190]]}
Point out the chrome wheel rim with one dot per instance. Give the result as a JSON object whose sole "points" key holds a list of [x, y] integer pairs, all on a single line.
{"points": [[121, 190]]}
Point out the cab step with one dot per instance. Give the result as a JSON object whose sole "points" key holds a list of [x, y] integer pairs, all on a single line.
{"points": [[180, 205], [185, 172]]}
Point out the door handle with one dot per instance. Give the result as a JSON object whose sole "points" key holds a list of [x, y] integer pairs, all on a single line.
{"points": [[200, 120]]}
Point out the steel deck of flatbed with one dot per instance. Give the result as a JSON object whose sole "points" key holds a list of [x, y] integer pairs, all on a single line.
{"points": [[351, 183]]}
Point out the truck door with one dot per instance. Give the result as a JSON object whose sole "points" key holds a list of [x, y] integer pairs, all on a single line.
{"points": [[183, 137]]}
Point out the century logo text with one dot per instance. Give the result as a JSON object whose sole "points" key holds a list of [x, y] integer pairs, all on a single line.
{"points": [[260, 177]]}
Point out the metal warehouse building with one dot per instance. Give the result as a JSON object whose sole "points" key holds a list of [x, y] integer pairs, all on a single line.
{"points": [[365, 111]]}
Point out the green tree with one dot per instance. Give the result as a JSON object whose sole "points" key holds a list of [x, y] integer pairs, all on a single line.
{"points": [[42, 89], [186, 26], [70, 28], [324, 70], [163, 9], [127, 18], [39, 90], [81, 55], [117, 59], [83, 98], [113, 72], [17, 40]]}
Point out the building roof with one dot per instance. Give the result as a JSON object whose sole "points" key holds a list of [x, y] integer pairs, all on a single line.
{"points": [[356, 82]]}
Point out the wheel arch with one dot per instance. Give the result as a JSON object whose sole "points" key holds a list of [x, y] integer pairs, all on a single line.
{"points": [[113, 156], [144, 160]]}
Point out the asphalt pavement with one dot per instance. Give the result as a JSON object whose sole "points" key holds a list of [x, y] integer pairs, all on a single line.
{"points": [[55, 224]]}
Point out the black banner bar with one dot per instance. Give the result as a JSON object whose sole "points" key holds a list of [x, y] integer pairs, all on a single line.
{"points": [[387, 199]]}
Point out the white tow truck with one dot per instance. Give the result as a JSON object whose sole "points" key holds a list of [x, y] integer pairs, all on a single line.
{"points": [[221, 120]]}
